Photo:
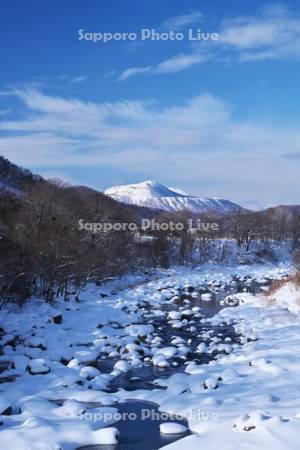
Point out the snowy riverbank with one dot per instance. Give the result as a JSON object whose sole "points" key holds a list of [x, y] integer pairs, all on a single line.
{"points": [[252, 385]]}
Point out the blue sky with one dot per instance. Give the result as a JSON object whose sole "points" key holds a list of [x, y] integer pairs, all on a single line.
{"points": [[215, 118]]}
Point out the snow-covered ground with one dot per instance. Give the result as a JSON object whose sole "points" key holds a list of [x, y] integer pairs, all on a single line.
{"points": [[256, 404], [246, 397]]}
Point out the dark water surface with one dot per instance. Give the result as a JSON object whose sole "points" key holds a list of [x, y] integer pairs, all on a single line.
{"points": [[140, 434]]}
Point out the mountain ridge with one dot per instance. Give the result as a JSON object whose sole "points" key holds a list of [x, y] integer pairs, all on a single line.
{"points": [[153, 194]]}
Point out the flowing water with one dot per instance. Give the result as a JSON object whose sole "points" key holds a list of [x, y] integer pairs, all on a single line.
{"points": [[143, 377], [145, 434]]}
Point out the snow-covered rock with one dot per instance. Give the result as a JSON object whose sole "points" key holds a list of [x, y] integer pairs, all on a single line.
{"points": [[38, 366], [122, 366], [89, 372], [5, 406], [174, 315], [206, 297], [106, 436], [172, 428], [86, 356]]}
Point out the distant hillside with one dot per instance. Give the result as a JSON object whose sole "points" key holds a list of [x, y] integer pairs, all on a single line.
{"points": [[287, 211], [14, 178]]}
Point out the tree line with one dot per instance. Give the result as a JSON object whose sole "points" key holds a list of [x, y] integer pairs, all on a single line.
{"points": [[45, 253]]}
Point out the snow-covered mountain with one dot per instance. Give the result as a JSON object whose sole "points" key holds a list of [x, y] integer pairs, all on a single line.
{"points": [[154, 195]]}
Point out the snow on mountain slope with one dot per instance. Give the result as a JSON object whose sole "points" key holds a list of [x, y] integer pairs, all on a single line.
{"points": [[154, 195]]}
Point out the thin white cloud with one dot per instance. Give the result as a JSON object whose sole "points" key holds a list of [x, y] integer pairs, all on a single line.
{"points": [[178, 22], [272, 34], [133, 71], [180, 62], [109, 74], [79, 79], [174, 64], [198, 140]]}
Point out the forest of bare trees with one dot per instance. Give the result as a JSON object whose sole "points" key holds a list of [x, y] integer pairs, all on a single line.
{"points": [[44, 253], [42, 250]]}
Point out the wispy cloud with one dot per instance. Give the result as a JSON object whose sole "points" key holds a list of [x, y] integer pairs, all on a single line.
{"points": [[79, 79], [184, 143], [175, 64], [273, 33], [134, 71], [180, 62], [178, 22]]}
